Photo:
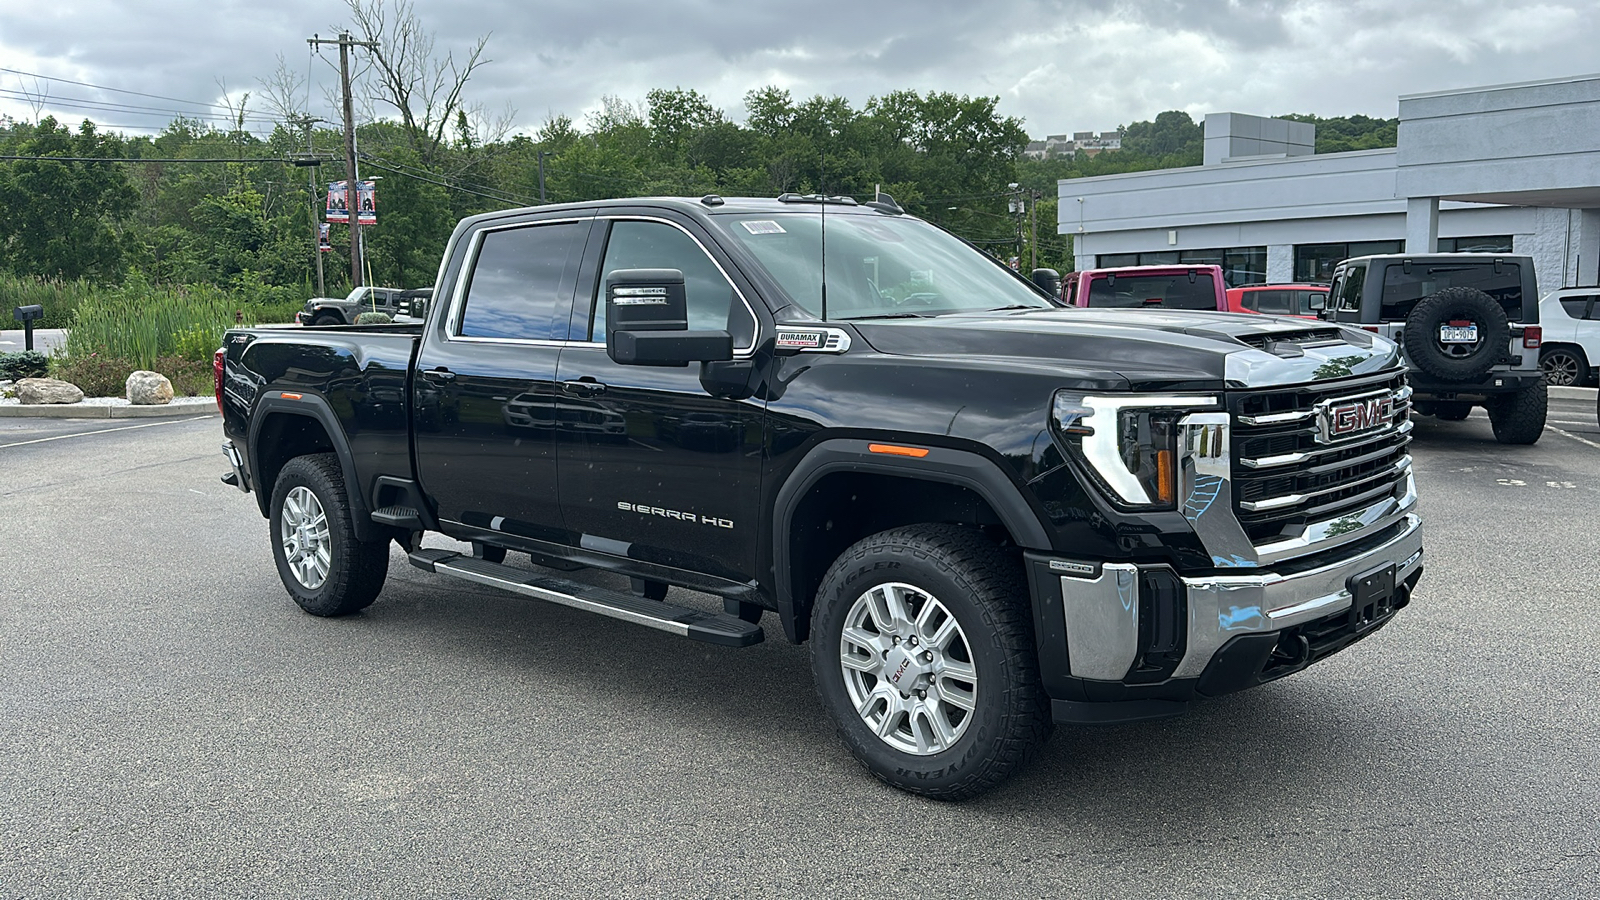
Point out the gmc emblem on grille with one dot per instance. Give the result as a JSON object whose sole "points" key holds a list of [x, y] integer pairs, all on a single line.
{"points": [[1339, 419]]}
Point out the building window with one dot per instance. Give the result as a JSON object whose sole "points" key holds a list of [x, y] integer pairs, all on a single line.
{"points": [[1315, 262], [1494, 243], [1240, 265]]}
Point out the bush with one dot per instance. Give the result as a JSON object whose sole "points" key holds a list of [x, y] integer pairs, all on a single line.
{"points": [[95, 375], [27, 364], [373, 318], [189, 378]]}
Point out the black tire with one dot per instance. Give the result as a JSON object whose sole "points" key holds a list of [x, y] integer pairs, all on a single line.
{"points": [[356, 569], [1519, 418], [327, 319], [1452, 410], [1564, 366], [982, 590], [1456, 362]]}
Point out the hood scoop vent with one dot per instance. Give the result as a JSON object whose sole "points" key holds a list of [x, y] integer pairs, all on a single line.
{"points": [[1290, 344]]}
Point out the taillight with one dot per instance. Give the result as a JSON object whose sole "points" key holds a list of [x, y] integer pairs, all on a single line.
{"points": [[217, 360], [1531, 336]]}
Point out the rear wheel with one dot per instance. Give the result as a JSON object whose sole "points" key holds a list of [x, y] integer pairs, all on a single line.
{"points": [[923, 653], [1519, 418], [1563, 366], [325, 567]]}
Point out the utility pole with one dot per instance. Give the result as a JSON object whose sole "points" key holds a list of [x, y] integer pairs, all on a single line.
{"points": [[542, 154], [352, 175], [311, 162], [1033, 228]]}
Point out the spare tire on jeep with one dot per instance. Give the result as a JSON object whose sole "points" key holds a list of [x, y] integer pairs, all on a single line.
{"points": [[1457, 334]]}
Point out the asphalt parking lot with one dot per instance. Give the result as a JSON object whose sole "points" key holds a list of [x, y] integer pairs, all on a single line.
{"points": [[171, 724]]}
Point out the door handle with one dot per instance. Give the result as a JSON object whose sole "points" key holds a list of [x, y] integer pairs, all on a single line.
{"points": [[439, 374], [583, 386]]}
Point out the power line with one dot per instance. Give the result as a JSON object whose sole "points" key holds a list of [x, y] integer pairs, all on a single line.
{"points": [[130, 108], [146, 159], [101, 87]]}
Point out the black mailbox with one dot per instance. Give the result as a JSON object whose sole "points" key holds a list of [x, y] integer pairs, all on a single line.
{"points": [[28, 313]]}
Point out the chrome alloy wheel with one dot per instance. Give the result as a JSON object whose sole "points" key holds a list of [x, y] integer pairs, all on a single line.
{"points": [[1561, 368], [908, 669], [303, 531]]}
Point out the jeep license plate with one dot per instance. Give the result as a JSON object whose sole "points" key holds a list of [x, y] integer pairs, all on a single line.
{"points": [[1458, 334]]}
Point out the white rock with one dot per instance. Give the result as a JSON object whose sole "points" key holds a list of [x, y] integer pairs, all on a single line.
{"points": [[149, 389], [32, 391]]}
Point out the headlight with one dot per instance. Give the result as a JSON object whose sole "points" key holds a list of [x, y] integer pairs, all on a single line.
{"points": [[1129, 442]]}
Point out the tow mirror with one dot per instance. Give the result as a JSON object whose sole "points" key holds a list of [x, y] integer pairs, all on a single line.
{"points": [[647, 322], [1047, 280]]}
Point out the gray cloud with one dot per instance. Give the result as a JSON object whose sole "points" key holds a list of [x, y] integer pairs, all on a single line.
{"points": [[1061, 65]]}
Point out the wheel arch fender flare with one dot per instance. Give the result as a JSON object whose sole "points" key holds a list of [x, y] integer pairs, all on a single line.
{"points": [[963, 468], [313, 406]]}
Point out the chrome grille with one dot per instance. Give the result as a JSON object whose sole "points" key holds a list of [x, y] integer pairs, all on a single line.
{"points": [[1288, 472]]}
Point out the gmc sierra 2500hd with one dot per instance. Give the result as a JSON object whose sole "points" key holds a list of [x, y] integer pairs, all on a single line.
{"points": [[987, 512]]}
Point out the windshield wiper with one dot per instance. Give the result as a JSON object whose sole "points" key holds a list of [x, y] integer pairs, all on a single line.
{"points": [[1016, 306], [898, 315]]}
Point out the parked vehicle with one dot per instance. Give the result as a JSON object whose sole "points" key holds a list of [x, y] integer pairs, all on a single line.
{"points": [[1302, 300], [1468, 324], [986, 512], [329, 311], [1570, 318], [1144, 287], [412, 305]]}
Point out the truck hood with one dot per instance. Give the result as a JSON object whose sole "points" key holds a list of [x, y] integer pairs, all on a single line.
{"points": [[1146, 348]]}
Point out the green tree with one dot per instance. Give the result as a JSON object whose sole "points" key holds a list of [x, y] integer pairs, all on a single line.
{"points": [[62, 219]]}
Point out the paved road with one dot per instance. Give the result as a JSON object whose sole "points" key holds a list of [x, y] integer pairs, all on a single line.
{"points": [[44, 339], [171, 725]]}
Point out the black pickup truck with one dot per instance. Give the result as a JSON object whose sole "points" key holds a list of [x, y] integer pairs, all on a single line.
{"points": [[987, 512]]}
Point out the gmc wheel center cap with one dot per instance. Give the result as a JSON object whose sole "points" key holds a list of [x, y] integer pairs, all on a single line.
{"points": [[903, 670]]}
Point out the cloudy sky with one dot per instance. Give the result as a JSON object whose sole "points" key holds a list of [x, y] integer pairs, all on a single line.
{"points": [[1067, 65]]}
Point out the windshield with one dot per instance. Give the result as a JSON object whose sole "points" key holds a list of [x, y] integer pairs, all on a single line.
{"points": [[1166, 291], [877, 266]]}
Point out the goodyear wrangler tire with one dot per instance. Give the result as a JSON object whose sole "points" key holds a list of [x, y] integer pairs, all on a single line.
{"points": [[325, 568], [922, 651], [1456, 362], [1519, 418]]}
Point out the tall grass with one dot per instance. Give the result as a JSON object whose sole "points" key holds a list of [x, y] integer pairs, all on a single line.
{"points": [[60, 299], [139, 322]]}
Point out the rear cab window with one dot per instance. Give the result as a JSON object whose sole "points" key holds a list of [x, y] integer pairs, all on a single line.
{"points": [[1403, 289], [1166, 291]]}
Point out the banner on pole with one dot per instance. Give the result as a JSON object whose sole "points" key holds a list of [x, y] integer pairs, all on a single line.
{"points": [[322, 237], [367, 196], [338, 203]]}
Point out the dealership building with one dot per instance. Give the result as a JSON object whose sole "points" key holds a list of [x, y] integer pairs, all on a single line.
{"points": [[1506, 168]]}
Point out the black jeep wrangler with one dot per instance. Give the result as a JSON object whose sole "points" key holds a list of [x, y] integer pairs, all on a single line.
{"points": [[1468, 324]]}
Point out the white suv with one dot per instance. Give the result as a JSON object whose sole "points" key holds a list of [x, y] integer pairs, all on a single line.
{"points": [[1571, 320]]}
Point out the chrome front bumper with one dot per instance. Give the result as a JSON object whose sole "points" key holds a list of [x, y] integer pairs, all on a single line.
{"points": [[1102, 613]]}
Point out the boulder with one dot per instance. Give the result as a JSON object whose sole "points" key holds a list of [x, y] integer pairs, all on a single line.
{"points": [[149, 389], [34, 391]]}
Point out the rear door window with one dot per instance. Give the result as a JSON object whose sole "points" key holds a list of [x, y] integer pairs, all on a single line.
{"points": [[1577, 307], [520, 284], [1275, 302], [1402, 289]]}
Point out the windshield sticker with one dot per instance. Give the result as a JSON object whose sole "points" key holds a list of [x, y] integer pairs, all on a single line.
{"points": [[763, 226]]}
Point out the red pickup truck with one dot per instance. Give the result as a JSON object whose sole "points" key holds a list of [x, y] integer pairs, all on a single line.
{"points": [[1135, 287]]}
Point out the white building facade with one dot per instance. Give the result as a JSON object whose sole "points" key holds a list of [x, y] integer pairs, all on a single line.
{"points": [[1507, 168]]}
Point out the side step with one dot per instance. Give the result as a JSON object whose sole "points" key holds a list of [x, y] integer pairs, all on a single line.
{"points": [[398, 516], [682, 621]]}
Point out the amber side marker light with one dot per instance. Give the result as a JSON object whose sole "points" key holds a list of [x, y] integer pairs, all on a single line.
{"points": [[1164, 476], [895, 450], [288, 396]]}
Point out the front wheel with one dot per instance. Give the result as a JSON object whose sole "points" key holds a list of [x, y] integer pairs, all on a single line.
{"points": [[1519, 418], [923, 654], [326, 569]]}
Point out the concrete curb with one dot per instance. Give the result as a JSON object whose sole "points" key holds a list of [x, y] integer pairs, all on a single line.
{"points": [[1574, 393], [94, 411]]}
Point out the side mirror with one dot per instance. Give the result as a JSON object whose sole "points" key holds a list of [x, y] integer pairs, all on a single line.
{"points": [[1047, 280], [647, 322], [1318, 301]]}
